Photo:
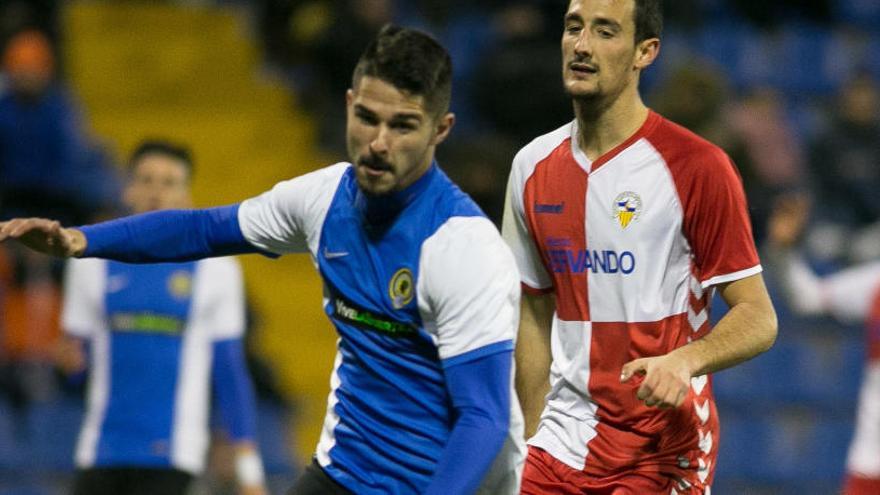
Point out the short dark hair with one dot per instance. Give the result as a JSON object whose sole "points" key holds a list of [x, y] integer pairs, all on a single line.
{"points": [[648, 18], [411, 61], [162, 147]]}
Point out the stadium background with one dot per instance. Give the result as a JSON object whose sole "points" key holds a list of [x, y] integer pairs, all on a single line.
{"points": [[256, 89]]}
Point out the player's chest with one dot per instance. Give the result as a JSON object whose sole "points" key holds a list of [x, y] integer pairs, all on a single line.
{"points": [[154, 299], [370, 270]]}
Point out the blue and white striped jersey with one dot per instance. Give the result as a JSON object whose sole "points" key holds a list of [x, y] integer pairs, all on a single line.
{"points": [[152, 330], [426, 282]]}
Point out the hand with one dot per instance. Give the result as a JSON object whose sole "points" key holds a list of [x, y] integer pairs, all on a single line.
{"points": [[44, 236], [667, 380], [252, 490], [786, 224], [69, 355]]}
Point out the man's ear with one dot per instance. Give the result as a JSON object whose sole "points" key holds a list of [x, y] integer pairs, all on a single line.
{"points": [[646, 52], [444, 126]]}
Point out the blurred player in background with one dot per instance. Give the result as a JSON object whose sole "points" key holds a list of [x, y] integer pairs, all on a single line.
{"points": [[623, 225], [418, 283], [160, 338], [850, 295]]}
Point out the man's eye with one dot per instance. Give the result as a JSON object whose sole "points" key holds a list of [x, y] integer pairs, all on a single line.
{"points": [[366, 119]]}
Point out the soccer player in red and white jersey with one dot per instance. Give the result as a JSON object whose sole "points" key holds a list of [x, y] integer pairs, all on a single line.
{"points": [[850, 295], [623, 225]]}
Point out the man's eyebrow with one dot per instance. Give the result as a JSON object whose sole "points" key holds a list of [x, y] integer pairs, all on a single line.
{"points": [[407, 116], [362, 108], [604, 21], [573, 17]]}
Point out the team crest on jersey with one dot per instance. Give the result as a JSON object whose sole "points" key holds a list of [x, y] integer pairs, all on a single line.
{"points": [[180, 284], [627, 207], [401, 288]]}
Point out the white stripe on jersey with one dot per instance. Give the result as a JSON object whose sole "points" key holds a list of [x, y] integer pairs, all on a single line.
{"points": [[99, 388], [864, 452], [569, 412], [331, 419]]}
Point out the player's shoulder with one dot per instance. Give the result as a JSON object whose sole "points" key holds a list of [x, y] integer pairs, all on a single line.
{"points": [[325, 176], [541, 147], [471, 236], [682, 148]]}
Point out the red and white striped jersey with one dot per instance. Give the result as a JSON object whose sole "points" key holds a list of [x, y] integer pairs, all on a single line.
{"points": [[632, 244]]}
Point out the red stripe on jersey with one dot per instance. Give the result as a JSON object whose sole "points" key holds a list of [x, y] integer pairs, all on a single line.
{"points": [[716, 220], [554, 201], [628, 430], [528, 289]]}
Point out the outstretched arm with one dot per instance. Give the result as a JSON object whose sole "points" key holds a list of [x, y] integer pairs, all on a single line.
{"points": [[170, 235], [748, 329]]}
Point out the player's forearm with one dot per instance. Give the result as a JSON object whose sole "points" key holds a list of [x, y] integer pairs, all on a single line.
{"points": [[748, 329], [533, 358], [170, 235], [480, 393], [532, 379]]}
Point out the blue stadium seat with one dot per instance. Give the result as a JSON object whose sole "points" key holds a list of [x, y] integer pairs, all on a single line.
{"points": [[794, 444], [864, 13]]}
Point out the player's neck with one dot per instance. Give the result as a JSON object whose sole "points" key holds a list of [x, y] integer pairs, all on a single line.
{"points": [[603, 126]]}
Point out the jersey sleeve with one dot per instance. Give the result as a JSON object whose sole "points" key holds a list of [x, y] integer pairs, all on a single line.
{"points": [[287, 218], [468, 288], [516, 233], [716, 220], [223, 311], [849, 294], [82, 313]]}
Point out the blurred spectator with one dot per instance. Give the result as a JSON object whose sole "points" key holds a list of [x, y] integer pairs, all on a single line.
{"points": [[480, 165], [46, 169], [772, 158], [769, 15], [845, 167], [517, 98], [333, 53], [44, 157]]}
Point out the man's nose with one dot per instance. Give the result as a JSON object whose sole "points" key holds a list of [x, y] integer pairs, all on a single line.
{"points": [[379, 144]]}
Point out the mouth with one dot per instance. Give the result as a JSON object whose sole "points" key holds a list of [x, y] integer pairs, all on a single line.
{"points": [[374, 166], [582, 69]]}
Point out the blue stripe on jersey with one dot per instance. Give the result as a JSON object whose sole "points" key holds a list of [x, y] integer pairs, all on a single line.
{"points": [[393, 408], [147, 307]]}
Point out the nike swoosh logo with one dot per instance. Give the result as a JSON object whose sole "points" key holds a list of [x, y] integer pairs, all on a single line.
{"points": [[116, 284], [331, 255]]}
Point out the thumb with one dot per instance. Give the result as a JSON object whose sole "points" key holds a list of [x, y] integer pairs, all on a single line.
{"points": [[631, 368]]}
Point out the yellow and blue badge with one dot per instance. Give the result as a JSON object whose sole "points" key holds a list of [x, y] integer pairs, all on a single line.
{"points": [[401, 288], [180, 284], [627, 208]]}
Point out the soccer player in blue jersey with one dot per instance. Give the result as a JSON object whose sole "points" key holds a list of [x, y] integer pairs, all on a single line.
{"points": [[422, 290], [160, 338]]}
